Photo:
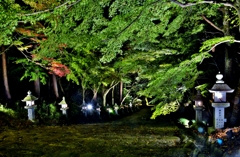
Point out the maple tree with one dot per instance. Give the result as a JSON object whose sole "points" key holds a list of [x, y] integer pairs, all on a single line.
{"points": [[163, 44]]}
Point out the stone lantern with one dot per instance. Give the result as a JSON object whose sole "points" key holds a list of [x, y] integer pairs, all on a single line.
{"points": [[98, 109], [116, 107], [108, 109], [84, 108], [219, 91], [130, 106], [198, 107], [30, 105], [64, 106]]}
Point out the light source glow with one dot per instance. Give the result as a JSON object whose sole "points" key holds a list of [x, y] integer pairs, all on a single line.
{"points": [[30, 103], [64, 106], [198, 103], [89, 107], [218, 95]]}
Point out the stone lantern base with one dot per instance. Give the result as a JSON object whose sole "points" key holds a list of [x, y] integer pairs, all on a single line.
{"points": [[198, 116], [219, 109], [64, 110], [31, 112]]}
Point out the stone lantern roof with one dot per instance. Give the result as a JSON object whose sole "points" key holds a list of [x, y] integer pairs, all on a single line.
{"points": [[220, 86], [63, 102], [199, 96], [64, 105], [29, 97]]}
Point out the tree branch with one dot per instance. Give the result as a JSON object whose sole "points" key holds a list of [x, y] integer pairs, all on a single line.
{"points": [[48, 10], [136, 18], [30, 60], [226, 4], [211, 23], [203, 2], [235, 41]]}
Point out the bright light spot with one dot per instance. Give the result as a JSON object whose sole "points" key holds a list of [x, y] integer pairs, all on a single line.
{"points": [[218, 95], [219, 141], [199, 103], [64, 105], [110, 110], [89, 107]]}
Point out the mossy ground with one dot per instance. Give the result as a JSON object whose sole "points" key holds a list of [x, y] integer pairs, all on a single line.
{"points": [[134, 135]]}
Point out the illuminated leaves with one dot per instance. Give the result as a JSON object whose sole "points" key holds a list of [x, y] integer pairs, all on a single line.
{"points": [[8, 20], [208, 45], [42, 4], [59, 69]]}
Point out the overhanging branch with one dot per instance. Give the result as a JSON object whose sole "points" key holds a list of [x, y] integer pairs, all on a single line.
{"points": [[225, 41], [204, 2]]}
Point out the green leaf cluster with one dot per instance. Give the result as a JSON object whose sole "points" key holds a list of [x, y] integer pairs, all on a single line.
{"points": [[32, 71], [8, 20]]}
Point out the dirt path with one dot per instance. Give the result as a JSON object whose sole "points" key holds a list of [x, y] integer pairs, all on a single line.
{"points": [[135, 135]]}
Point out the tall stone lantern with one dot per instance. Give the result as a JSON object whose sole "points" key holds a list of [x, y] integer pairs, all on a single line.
{"points": [[219, 91], [64, 106], [198, 107], [30, 105]]}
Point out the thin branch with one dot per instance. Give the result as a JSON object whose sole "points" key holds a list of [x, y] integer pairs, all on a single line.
{"points": [[48, 10], [139, 15], [73, 3], [37, 63], [226, 41], [203, 2], [136, 18], [127, 93], [5, 50], [208, 2], [208, 21]]}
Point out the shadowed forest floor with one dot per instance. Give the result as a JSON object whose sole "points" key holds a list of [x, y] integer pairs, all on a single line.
{"points": [[134, 135]]}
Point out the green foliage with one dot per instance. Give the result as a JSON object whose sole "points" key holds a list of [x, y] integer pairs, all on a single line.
{"points": [[47, 113], [8, 20], [42, 4], [32, 71], [163, 109], [53, 113], [151, 44], [169, 85], [204, 89], [8, 111], [211, 43]]}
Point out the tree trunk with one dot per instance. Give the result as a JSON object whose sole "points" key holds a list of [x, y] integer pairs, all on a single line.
{"points": [[55, 87], [83, 93], [113, 96], [235, 108], [106, 92], [125, 97], [94, 95], [104, 99], [120, 92], [37, 87], [95, 91], [5, 76], [60, 85], [229, 69]]}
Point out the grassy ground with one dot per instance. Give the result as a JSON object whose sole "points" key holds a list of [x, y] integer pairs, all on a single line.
{"points": [[132, 136]]}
